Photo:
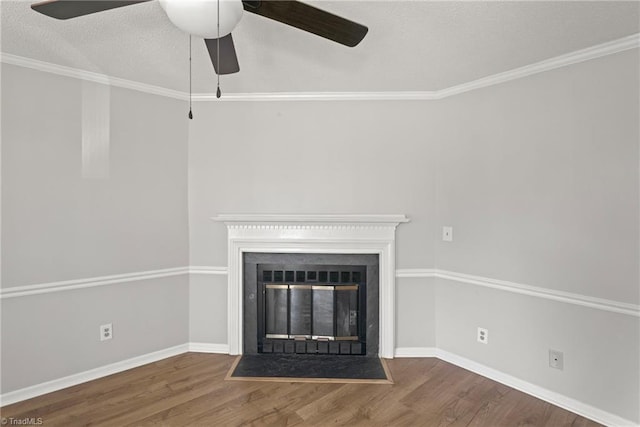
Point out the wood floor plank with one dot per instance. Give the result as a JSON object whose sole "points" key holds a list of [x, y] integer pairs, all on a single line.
{"points": [[190, 390]]}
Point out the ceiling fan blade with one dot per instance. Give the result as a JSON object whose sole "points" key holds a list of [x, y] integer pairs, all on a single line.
{"points": [[65, 9], [310, 19], [228, 63]]}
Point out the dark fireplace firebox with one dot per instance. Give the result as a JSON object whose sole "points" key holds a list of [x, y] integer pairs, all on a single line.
{"points": [[311, 304], [315, 309]]}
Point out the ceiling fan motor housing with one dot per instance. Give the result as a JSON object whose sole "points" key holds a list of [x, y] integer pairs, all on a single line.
{"points": [[200, 17]]}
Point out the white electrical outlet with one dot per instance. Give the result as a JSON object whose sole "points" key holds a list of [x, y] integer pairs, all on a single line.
{"points": [[106, 332], [483, 335], [447, 234], [556, 359]]}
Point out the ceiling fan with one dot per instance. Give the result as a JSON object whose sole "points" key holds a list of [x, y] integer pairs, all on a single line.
{"points": [[215, 19]]}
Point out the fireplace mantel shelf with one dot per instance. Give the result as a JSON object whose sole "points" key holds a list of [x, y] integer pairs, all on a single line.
{"points": [[315, 219]]}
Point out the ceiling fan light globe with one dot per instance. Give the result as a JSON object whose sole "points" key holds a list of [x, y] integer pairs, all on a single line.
{"points": [[200, 17]]}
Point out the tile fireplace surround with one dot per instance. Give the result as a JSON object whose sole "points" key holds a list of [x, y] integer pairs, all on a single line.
{"points": [[327, 234]]}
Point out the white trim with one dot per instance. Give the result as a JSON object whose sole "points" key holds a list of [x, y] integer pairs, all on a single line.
{"points": [[295, 219], [329, 234], [552, 397], [593, 52], [551, 294], [76, 73], [202, 347], [67, 285], [503, 285], [207, 270], [321, 96], [113, 368], [535, 291], [416, 272], [92, 374], [416, 352]]}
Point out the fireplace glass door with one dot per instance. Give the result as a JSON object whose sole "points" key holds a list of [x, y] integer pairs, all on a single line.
{"points": [[312, 309]]}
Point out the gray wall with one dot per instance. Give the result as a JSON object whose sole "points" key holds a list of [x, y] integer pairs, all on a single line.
{"points": [[312, 157], [539, 178], [208, 308], [57, 225], [415, 313], [49, 336], [600, 348], [63, 222]]}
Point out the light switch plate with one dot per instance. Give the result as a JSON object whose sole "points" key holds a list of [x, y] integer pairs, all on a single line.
{"points": [[556, 359], [447, 234]]}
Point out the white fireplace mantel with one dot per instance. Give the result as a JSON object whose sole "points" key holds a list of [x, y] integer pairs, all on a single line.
{"points": [[330, 234]]}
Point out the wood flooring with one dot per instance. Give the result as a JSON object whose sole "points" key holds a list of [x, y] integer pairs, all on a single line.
{"points": [[190, 390]]}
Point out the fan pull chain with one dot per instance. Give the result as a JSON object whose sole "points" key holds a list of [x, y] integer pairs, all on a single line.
{"points": [[218, 92], [190, 112]]}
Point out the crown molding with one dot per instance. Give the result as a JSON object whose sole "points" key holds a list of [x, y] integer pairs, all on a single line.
{"points": [[320, 96], [90, 76], [593, 52]]}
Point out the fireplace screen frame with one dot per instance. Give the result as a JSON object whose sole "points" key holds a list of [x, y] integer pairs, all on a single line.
{"points": [[302, 307], [251, 341]]}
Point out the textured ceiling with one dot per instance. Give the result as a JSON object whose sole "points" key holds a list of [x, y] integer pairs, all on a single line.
{"points": [[411, 45]]}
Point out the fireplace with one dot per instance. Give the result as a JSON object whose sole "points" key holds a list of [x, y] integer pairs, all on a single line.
{"points": [[321, 304], [312, 309], [355, 234]]}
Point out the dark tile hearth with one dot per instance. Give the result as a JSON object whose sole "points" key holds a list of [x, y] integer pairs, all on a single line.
{"points": [[308, 366]]}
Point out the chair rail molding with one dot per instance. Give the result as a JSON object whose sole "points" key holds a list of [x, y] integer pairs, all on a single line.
{"points": [[329, 234], [629, 309]]}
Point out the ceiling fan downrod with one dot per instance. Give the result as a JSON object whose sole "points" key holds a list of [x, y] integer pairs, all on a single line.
{"points": [[218, 92]]}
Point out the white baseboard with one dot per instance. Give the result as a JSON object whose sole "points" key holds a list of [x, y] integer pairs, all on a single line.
{"points": [[552, 397], [92, 374], [541, 393], [200, 347], [416, 352], [103, 371]]}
